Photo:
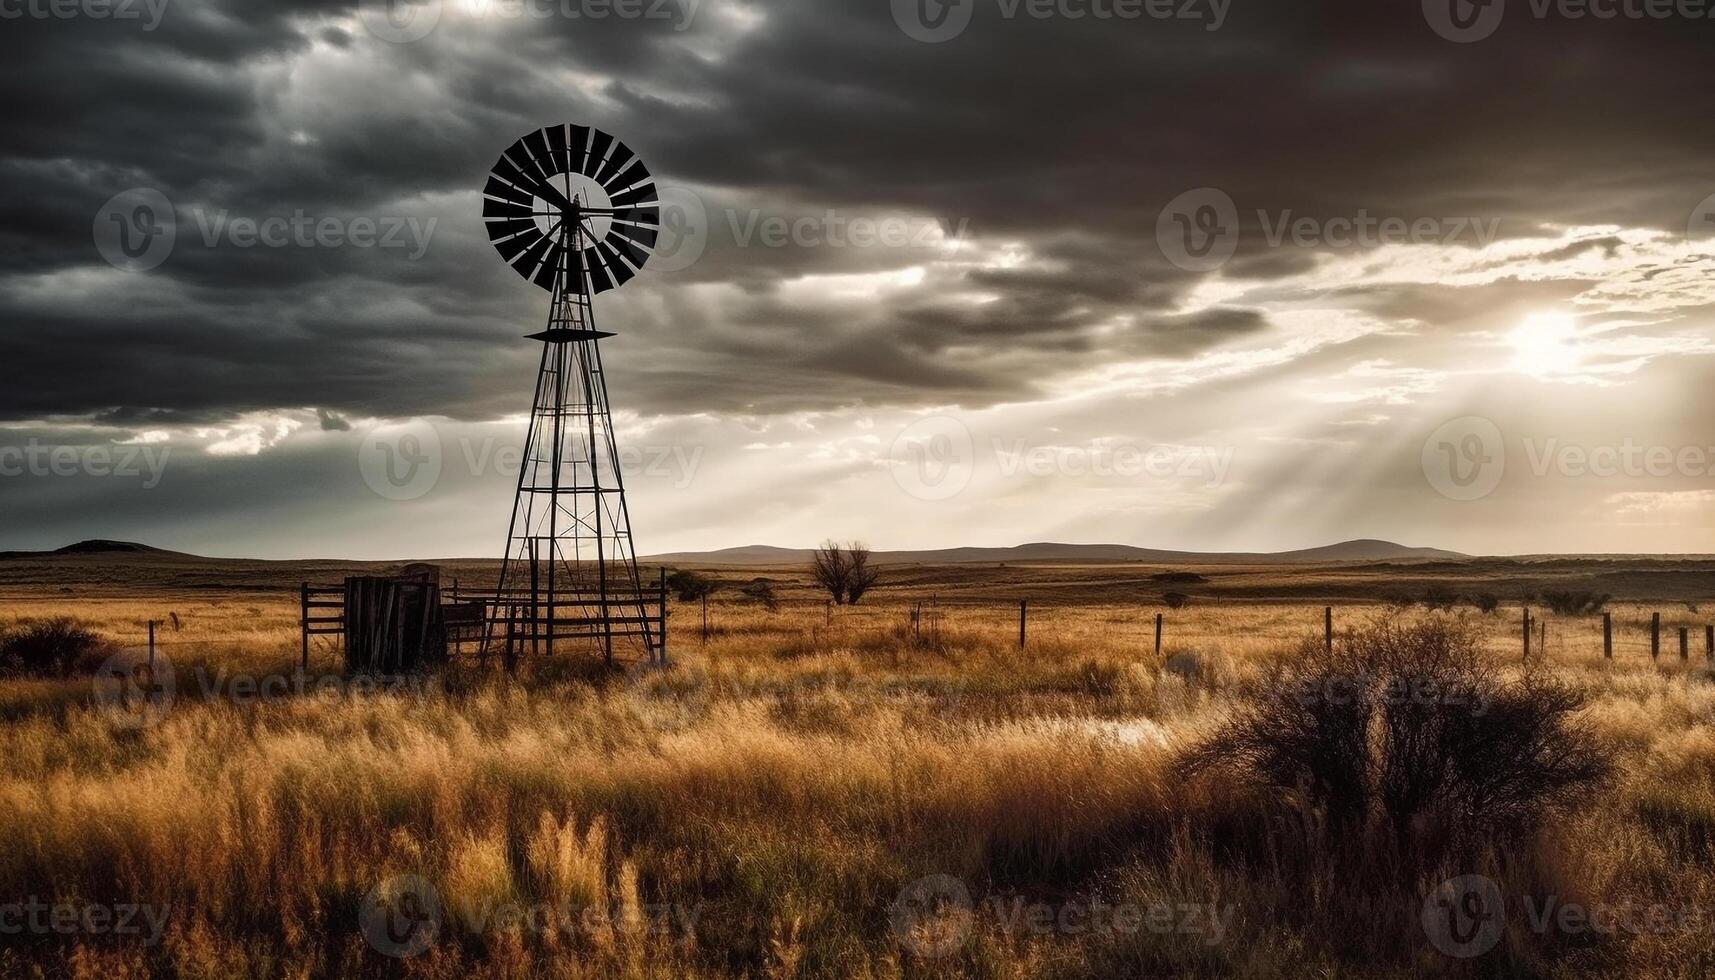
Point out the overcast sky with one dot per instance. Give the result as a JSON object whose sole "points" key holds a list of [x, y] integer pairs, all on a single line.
{"points": [[1206, 274]]}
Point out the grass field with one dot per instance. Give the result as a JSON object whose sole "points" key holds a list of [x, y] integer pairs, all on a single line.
{"points": [[813, 793]]}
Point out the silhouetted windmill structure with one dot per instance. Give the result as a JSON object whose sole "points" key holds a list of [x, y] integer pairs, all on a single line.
{"points": [[574, 211]]}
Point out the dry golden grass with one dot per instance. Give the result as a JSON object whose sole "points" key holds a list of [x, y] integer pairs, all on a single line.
{"points": [[757, 809]]}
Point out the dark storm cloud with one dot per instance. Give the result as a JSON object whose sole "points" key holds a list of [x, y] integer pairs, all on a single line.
{"points": [[1065, 137]]}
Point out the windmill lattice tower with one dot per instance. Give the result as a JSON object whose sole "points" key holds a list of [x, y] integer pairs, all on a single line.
{"points": [[570, 573]]}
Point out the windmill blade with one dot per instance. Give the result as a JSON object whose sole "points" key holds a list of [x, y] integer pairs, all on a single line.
{"points": [[507, 227], [643, 238], [506, 192], [507, 171], [626, 248], [621, 156], [526, 261], [557, 148], [600, 142], [599, 281], [521, 159], [639, 216], [510, 248], [493, 208], [634, 174], [621, 272], [550, 267], [643, 194], [537, 144], [577, 147]]}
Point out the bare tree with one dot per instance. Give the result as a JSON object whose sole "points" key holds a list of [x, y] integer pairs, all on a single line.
{"points": [[831, 569], [861, 575]]}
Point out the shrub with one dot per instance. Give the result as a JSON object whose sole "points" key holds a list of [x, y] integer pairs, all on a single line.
{"points": [[1573, 603], [690, 586], [1405, 732], [760, 590], [1486, 602], [50, 648], [1439, 597], [1178, 578], [1175, 600]]}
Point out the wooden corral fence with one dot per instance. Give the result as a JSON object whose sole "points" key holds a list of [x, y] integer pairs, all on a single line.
{"points": [[388, 624]]}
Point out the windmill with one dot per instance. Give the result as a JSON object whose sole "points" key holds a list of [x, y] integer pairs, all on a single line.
{"points": [[574, 211]]}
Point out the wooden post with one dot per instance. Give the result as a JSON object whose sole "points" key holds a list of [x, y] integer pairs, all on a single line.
{"points": [[1023, 604], [1527, 632], [662, 628], [1684, 644], [705, 619], [1654, 635], [1608, 636], [151, 650], [1158, 634], [1328, 628], [304, 615], [1709, 643]]}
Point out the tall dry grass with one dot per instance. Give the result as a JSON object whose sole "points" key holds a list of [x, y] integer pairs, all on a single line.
{"points": [[758, 809]]}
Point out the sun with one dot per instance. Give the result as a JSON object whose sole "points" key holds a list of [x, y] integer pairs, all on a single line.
{"points": [[1546, 344]]}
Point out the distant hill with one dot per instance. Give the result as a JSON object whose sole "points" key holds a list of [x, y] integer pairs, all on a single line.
{"points": [[1360, 550]]}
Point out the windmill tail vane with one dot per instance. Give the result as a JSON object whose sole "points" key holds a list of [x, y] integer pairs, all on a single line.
{"points": [[575, 212]]}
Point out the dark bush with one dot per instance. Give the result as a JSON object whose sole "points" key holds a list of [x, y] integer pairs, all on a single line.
{"points": [[1485, 602], [760, 590], [1571, 603], [1439, 597], [1178, 578], [1406, 733], [1175, 600], [50, 648], [690, 586]]}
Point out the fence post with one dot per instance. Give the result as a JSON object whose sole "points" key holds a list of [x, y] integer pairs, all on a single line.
{"points": [[1158, 634], [1328, 628], [705, 619], [1023, 605], [663, 614], [151, 651], [1654, 635], [1607, 636], [1527, 632], [304, 625], [1709, 643], [1684, 644]]}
